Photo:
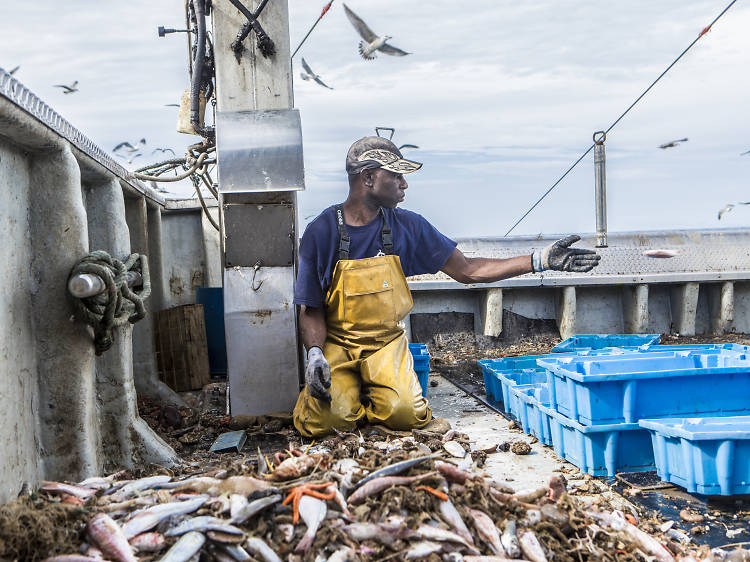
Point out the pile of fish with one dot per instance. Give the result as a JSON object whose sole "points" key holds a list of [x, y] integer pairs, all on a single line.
{"points": [[351, 498]]}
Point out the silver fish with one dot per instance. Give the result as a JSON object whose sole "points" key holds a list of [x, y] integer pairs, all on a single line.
{"points": [[235, 552], [453, 518], [96, 483], [392, 469], [344, 554], [255, 507], [59, 488], [644, 540], [204, 523], [531, 547], [509, 539], [142, 484], [108, 536], [260, 549], [487, 530], [359, 532], [313, 512], [236, 503], [185, 548], [152, 516], [437, 534], [422, 549]]}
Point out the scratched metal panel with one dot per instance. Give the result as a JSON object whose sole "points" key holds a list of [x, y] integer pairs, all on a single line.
{"points": [[261, 331], [247, 237], [260, 151]]}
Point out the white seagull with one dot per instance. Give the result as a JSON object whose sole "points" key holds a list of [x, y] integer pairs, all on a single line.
{"points": [[308, 74], [163, 150], [129, 147], [729, 206], [68, 89], [371, 41], [129, 158], [671, 144]]}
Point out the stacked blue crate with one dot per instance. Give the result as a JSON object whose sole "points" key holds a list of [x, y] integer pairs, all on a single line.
{"points": [[707, 455], [587, 401]]}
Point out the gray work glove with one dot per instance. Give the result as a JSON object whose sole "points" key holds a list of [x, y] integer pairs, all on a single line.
{"points": [[318, 375], [560, 257]]}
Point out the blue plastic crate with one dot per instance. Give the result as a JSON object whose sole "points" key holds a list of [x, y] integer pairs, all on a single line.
{"points": [[598, 341], [421, 363], [525, 401], [709, 455], [600, 450], [628, 387]]}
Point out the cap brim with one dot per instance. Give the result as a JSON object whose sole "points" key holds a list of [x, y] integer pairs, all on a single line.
{"points": [[402, 166]]}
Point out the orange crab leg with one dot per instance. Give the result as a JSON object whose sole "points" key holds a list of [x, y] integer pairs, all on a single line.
{"points": [[437, 493]]}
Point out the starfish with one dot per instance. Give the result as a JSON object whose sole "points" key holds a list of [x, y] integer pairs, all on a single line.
{"points": [[297, 492]]}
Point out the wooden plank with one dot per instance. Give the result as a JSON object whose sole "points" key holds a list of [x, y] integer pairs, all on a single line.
{"points": [[182, 351]]}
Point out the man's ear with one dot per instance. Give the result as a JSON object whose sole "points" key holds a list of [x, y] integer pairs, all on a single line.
{"points": [[368, 177]]}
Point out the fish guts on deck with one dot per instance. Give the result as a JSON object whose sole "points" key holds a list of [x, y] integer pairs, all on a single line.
{"points": [[351, 286]]}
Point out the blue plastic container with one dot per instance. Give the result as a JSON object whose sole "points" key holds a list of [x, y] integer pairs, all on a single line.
{"points": [[421, 363], [709, 455], [212, 299], [628, 387], [600, 450], [598, 341], [525, 401]]}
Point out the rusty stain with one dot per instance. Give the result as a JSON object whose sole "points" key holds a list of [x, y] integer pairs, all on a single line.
{"points": [[176, 285], [196, 280]]}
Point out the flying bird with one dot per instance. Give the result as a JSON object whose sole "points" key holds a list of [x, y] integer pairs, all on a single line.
{"points": [[308, 74], [670, 144], [129, 158], [371, 42], [171, 105], [729, 206], [158, 149], [408, 146], [68, 89], [746, 152], [13, 71], [129, 147]]}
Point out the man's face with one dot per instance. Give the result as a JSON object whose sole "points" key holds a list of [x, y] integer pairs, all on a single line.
{"points": [[388, 188]]}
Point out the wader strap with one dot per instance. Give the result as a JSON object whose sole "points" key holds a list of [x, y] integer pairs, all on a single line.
{"points": [[386, 235], [343, 234]]}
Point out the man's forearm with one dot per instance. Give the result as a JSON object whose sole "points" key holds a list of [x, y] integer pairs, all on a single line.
{"points": [[485, 270], [488, 270], [312, 327]]}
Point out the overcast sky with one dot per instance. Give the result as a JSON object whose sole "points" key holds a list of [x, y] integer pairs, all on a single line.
{"points": [[500, 96]]}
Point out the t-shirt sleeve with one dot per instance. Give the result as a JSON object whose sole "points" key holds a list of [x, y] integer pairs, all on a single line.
{"points": [[432, 250], [308, 290]]}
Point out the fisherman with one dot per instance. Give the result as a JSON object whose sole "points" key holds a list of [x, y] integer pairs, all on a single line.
{"points": [[351, 286]]}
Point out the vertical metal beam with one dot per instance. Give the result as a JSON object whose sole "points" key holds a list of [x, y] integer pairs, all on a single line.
{"points": [[600, 175], [261, 330]]}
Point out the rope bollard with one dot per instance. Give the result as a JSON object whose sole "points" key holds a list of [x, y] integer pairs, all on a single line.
{"points": [[117, 303]]}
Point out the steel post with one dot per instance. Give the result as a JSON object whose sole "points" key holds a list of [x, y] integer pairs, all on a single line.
{"points": [[600, 175]]}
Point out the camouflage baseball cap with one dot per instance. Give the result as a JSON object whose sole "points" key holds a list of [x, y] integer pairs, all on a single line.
{"points": [[369, 153]]}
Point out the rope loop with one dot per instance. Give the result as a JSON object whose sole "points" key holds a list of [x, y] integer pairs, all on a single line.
{"points": [[118, 303]]}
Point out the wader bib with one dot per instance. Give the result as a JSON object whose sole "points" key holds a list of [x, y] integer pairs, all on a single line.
{"points": [[372, 371]]}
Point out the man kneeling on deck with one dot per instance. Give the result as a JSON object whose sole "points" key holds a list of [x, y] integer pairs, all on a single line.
{"points": [[351, 286]]}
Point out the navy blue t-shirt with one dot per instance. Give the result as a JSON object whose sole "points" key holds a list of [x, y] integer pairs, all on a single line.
{"points": [[419, 245]]}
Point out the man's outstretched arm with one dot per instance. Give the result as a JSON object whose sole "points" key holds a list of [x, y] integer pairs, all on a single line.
{"points": [[558, 256]]}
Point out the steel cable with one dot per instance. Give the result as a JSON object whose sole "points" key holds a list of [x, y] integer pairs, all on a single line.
{"points": [[623, 114]]}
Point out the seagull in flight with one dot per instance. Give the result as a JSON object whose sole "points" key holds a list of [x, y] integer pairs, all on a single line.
{"points": [[308, 74], [163, 150], [13, 71], [371, 42], [670, 144], [129, 158], [129, 147], [171, 105], [408, 146], [746, 152], [729, 206], [68, 89]]}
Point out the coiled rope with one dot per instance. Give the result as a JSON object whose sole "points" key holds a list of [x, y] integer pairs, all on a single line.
{"points": [[116, 305]]}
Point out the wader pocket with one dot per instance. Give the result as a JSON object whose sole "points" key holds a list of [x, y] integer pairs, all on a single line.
{"points": [[368, 297]]}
